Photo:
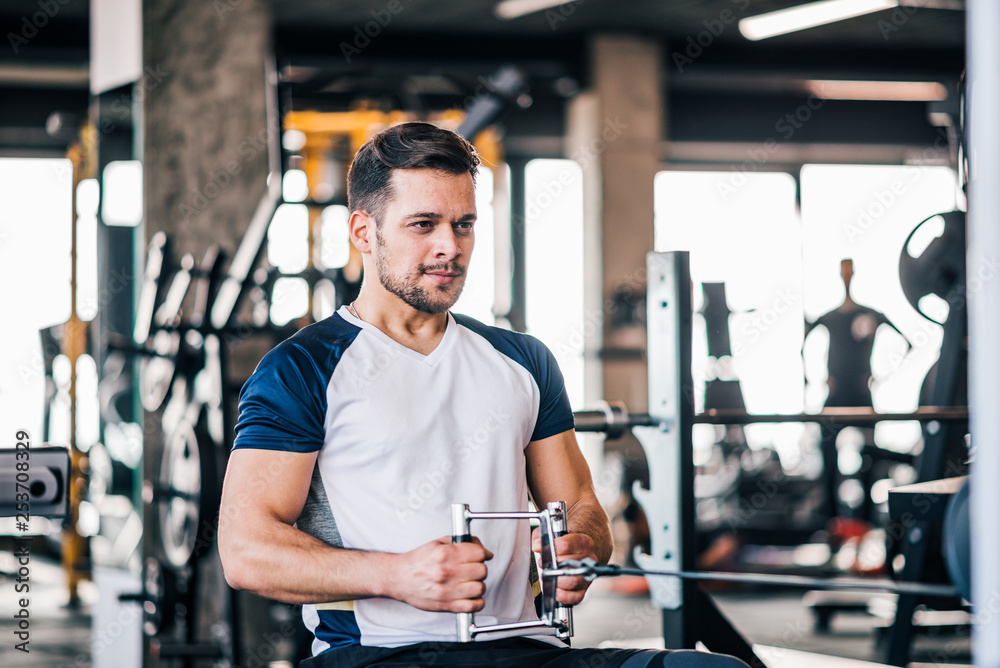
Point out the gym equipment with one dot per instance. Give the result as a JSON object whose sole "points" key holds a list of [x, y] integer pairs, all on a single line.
{"points": [[590, 569], [613, 418], [552, 524], [47, 481], [935, 267], [836, 415], [506, 89], [665, 436], [956, 543]]}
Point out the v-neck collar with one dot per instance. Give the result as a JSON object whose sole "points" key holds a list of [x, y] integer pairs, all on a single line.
{"points": [[430, 359]]}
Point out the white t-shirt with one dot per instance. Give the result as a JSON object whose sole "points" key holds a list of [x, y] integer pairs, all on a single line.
{"points": [[401, 436]]}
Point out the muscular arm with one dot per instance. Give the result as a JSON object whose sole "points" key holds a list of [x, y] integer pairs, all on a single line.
{"points": [[557, 471], [262, 551]]}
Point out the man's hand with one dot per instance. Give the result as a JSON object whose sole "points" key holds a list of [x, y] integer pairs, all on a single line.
{"points": [[569, 589], [442, 577]]}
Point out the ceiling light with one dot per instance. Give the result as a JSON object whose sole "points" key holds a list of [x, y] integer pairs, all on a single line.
{"points": [[512, 9], [810, 15], [894, 91]]}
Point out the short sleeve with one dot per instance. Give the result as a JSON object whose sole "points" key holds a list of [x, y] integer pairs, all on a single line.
{"points": [[283, 404], [554, 412]]}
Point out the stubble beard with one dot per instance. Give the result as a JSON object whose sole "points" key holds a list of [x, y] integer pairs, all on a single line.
{"points": [[406, 288]]}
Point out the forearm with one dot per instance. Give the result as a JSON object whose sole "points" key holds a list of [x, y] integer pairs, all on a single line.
{"points": [[588, 517], [281, 562]]}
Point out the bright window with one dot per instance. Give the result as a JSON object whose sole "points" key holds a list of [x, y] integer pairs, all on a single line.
{"points": [[553, 226]]}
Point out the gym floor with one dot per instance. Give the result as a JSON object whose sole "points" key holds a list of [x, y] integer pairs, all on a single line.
{"points": [[616, 612]]}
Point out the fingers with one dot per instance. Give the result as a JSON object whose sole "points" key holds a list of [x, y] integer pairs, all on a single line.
{"points": [[570, 597], [568, 546], [570, 590], [489, 555], [445, 577], [446, 540], [575, 546]]}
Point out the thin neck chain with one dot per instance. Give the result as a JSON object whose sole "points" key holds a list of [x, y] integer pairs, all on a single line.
{"points": [[354, 312]]}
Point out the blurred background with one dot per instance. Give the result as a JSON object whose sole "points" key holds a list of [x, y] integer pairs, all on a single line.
{"points": [[172, 205]]}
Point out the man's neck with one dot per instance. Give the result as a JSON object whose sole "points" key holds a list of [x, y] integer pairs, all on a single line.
{"points": [[399, 321]]}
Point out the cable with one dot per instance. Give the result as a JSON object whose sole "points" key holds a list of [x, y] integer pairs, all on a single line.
{"points": [[589, 569]]}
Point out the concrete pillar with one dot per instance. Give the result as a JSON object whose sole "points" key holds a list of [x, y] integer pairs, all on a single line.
{"points": [[204, 137], [204, 124], [615, 130]]}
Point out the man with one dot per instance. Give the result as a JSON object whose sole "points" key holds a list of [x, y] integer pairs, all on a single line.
{"points": [[357, 434]]}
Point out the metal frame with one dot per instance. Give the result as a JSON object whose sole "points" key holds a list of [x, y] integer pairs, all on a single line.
{"points": [[983, 59], [689, 615], [552, 523]]}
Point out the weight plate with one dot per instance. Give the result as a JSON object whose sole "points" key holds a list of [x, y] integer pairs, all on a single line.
{"points": [[933, 264], [956, 546], [160, 587], [179, 502], [156, 372]]}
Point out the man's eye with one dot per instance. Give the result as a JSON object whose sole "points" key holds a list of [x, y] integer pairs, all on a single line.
{"points": [[463, 226], [423, 224]]}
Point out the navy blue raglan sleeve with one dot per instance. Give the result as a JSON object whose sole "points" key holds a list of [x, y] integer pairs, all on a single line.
{"points": [[283, 404], [554, 413]]}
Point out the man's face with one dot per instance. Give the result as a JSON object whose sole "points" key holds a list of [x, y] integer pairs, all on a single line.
{"points": [[425, 238]]}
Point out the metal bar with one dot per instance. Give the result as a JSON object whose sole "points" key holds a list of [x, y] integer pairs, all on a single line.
{"points": [[983, 59], [613, 421], [465, 622], [513, 515], [235, 286], [669, 501], [562, 615], [510, 626], [517, 316], [853, 416]]}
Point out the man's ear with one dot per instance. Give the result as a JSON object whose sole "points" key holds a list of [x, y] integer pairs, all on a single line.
{"points": [[362, 230]]}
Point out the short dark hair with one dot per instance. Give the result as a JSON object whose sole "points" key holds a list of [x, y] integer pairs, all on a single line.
{"points": [[404, 146]]}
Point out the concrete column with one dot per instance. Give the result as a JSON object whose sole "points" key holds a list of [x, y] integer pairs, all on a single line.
{"points": [[204, 124], [615, 130], [204, 138]]}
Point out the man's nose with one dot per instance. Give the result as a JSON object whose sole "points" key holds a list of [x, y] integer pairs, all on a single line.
{"points": [[446, 242]]}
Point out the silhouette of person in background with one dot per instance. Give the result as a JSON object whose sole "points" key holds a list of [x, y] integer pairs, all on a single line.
{"points": [[852, 330]]}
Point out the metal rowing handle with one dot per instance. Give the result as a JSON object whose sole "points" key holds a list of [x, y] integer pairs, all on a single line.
{"points": [[563, 614], [553, 523], [461, 533]]}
